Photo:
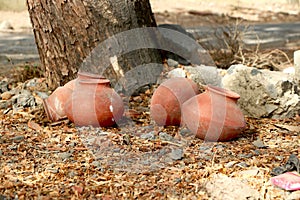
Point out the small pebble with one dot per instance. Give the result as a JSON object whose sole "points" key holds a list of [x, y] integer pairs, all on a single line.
{"points": [[65, 155], [12, 147], [96, 164], [259, 144], [185, 132], [72, 174], [72, 144], [176, 154], [257, 152], [165, 136], [18, 137], [249, 155], [148, 136], [137, 99], [230, 164], [53, 170], [178, 180], [242, 165], [172, 63]]}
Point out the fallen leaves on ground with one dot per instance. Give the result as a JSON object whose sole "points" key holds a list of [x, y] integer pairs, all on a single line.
{"points": [[39, 159]]}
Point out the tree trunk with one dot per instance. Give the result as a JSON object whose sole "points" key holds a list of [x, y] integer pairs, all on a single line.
{"points": [[67, 31]]}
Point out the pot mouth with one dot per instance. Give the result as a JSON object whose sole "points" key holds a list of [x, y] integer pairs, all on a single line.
{"points": [[90, 75], [222, 91]]}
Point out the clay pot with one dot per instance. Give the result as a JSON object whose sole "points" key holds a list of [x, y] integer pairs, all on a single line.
{"points": [[54, 105], [168, 98], [214, 115], [94, 103]]}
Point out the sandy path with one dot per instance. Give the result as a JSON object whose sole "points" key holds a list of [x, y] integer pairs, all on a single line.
{"points": [[20, 20]]}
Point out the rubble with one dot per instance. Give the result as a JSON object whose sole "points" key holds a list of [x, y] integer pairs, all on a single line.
{"points": [[263, 93]]}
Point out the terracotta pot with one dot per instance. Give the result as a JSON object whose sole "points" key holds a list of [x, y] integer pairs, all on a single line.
{"points": [[214, 115], [54, 105], [94, 103], [168, 98]]}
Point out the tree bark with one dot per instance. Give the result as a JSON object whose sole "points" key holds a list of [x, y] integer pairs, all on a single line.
{"points": [[66, 32]]}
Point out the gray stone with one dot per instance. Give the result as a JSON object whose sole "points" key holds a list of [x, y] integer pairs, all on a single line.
{"points": [[176, 154], [148, 136], [18, 138], [172, 63], [13, 147], [204, 75], [1, 153], [230, 164], [258, 143], [178, 72], [65, 155], [263, 93], [53, 170], [165, 136], [242, 155], [96, 164], [242, 165]]}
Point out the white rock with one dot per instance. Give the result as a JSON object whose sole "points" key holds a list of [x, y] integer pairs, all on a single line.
{"points": [[263, 93], [178, 72], [205, 75]]}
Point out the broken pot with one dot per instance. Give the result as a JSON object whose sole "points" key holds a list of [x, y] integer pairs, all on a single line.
{"points": [[54, 105], [168, 98], [94, 103], [214, 115]]}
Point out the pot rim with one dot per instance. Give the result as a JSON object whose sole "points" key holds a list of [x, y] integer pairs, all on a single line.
{"points": [[90, 75], [94, 81], [223, 91], [46, 108]]}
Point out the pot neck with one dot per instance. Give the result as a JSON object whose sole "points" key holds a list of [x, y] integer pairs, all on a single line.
{"points": [[88, 75]]}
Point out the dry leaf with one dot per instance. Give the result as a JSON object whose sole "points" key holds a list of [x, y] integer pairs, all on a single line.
{"points": [[34, 126], [288, 127]]}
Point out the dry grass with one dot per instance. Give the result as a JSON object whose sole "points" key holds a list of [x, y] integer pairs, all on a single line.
{"points": [[231, 50]]}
